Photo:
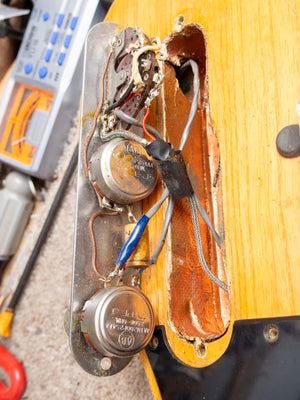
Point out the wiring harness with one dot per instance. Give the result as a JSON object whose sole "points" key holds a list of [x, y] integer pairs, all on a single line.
{"points": [[114, 120]]}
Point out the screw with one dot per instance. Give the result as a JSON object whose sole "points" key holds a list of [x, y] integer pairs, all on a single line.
{"points": [[105, 363], [271, 333], [154, 342]]}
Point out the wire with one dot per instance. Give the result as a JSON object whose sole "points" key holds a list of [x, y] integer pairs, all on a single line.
{"points": [[124, 102], [130, 120], [93, 241], [134, 238], [195, 205], [197, 232], [144, 125], [207, 220], [132, 241], [194, 106], [164, 231], [125, 135], [184, 137], [95, 118], [153, 210], [121, 100]]}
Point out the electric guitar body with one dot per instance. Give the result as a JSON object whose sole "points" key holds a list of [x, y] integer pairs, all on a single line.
{"points": [[242, 343]]}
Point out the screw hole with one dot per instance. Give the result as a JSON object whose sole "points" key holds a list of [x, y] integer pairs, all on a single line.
{"points": [[271, 333], [154, 342], [200, 349]]}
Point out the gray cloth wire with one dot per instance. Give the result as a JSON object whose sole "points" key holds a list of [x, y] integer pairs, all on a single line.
{"points": [[123, 134], [207, 220], [203, 263]]}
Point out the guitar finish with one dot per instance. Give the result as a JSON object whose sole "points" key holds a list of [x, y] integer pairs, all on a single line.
{"points": [[254, 86]]}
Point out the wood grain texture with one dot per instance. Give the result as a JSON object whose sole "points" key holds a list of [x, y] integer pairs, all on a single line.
{"points": [[254, 86]]}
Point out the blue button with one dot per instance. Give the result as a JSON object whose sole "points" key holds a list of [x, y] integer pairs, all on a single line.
{"points": [[48, 55], [28, 68], [73, 23], [67, 41], [43, 72], [60, 20], [61, 58], [46, 16], [54, 37]]}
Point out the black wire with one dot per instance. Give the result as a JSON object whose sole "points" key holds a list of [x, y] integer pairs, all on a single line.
{"points": [[121, 99]]}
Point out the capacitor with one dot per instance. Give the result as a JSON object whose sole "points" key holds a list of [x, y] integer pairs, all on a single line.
{"points": [[123, 171], [140, 256], [16, 204], [118, 321]]}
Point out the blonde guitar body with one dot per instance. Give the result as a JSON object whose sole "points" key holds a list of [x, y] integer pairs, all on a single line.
{"points": [[253, 77]]}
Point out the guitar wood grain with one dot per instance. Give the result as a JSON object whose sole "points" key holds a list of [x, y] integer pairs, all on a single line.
{"points": [[254, 86]]}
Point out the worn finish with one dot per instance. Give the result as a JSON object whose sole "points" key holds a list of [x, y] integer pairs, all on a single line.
{"points": [[254, 86]]}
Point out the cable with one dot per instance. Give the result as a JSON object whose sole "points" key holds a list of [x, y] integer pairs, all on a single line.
{"points": [[123, 134], [197, 232], [153, 210], [144, 125], [194, 106], [132, 121], [164, 231], [184, 137], [195, 205], [121, 100], [125, 101], [207, 220]]}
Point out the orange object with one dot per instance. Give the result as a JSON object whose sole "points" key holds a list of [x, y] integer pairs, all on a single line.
{"points": [[25, 101], [16, 374]]}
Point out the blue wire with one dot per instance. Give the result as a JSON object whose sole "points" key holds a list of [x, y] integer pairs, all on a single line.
{"points": [[132, 241]]}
